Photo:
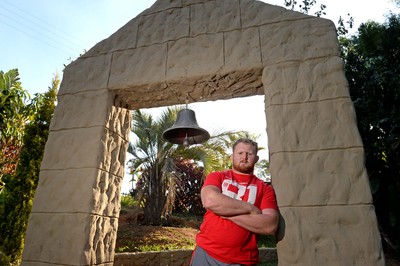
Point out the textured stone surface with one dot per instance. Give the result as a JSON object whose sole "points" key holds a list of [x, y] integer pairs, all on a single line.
{"points": [[192, 56], [94, 77], [298, 40], [71, 239], [127, 67], [124, 38], [203, 50], [168, 25], [329, 235], [258, 13], [77, 145], [222, 16], [320, 178], [322, 79], [242, 50], [313, 126], [81, 110], [102, 199]]}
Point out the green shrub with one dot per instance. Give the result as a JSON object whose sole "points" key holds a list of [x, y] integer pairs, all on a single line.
{"points": [[265, 241], [128, 201]]}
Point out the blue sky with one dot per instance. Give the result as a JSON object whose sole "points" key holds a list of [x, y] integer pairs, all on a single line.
{"points": [[39, 37]]}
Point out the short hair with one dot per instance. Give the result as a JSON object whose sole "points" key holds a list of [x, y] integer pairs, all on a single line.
{"points": [[246, 141]]}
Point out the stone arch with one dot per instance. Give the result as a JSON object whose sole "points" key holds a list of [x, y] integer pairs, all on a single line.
{"points": [[215, 49]]}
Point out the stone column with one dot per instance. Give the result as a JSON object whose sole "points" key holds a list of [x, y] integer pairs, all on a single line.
{"points": [[316, 153], [74, 219]]}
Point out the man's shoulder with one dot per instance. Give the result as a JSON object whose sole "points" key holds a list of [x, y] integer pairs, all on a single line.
{"points": [[222, 173]]}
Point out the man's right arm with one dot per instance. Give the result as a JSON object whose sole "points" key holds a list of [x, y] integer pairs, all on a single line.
{"points": [[222, 205]]}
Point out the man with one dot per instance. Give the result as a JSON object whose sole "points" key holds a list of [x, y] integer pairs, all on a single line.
{"points": [[239, 206]]}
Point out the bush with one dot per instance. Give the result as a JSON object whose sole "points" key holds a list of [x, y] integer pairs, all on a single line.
{"points": [[128, 201]]}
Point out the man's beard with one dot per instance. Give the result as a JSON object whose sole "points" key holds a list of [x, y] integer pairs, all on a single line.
{"points": [[243, 168]]}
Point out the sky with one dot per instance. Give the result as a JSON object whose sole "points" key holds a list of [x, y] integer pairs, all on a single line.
{"points": [[40, 37]]}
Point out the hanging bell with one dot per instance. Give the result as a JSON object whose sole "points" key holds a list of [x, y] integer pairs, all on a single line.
{"points": [[185, 130]]}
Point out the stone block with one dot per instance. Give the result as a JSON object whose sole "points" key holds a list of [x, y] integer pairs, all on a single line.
{"points": [[83, 148], [86, 109], [202, 55], [222, 16], [123, 39], [114, 149], [70, 239], [318, 178], [312, 126], [162, 5], [147, 258], [139, 66], [73, 148], [242, 50], [119, 121], [329, 235], [302, 81], [86, 191], [257, 13], [298, 40], [166, 25], [175, 257], [86, 74]]}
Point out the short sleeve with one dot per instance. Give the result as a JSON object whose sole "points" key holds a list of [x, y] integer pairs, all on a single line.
{"points": [[214, 179], [269, 198]]}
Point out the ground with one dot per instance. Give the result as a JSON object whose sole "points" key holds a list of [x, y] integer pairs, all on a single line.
{"points": [[180, 234]]}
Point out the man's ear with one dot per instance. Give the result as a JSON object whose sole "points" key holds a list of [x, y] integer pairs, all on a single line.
{"points": [[257, 158]]}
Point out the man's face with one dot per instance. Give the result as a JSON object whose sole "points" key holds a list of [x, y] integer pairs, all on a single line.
{"points": [[244, 158]]}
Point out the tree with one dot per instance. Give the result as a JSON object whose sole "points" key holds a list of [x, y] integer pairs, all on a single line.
{"points": [[307, 5], [372, 65], [187, 198], [155, 161], [13, 116], [20, 187]]}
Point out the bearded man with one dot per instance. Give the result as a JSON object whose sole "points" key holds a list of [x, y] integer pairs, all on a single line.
{"points": [[239, 206]]}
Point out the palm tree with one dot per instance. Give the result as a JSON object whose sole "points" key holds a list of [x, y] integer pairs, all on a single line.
{"points": [[153, 160]]}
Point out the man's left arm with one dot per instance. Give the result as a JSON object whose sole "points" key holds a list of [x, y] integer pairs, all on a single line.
{"points": [[265, 223]]}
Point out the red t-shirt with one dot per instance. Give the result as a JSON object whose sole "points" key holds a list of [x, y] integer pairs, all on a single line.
{"points": [[223, 239]]}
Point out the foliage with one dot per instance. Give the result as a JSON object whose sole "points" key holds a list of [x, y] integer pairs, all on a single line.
{"points": [[13, 116], [266, 241], [128, 201], [20, 187], [262, 170], [372, 62], [187, 198]]}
